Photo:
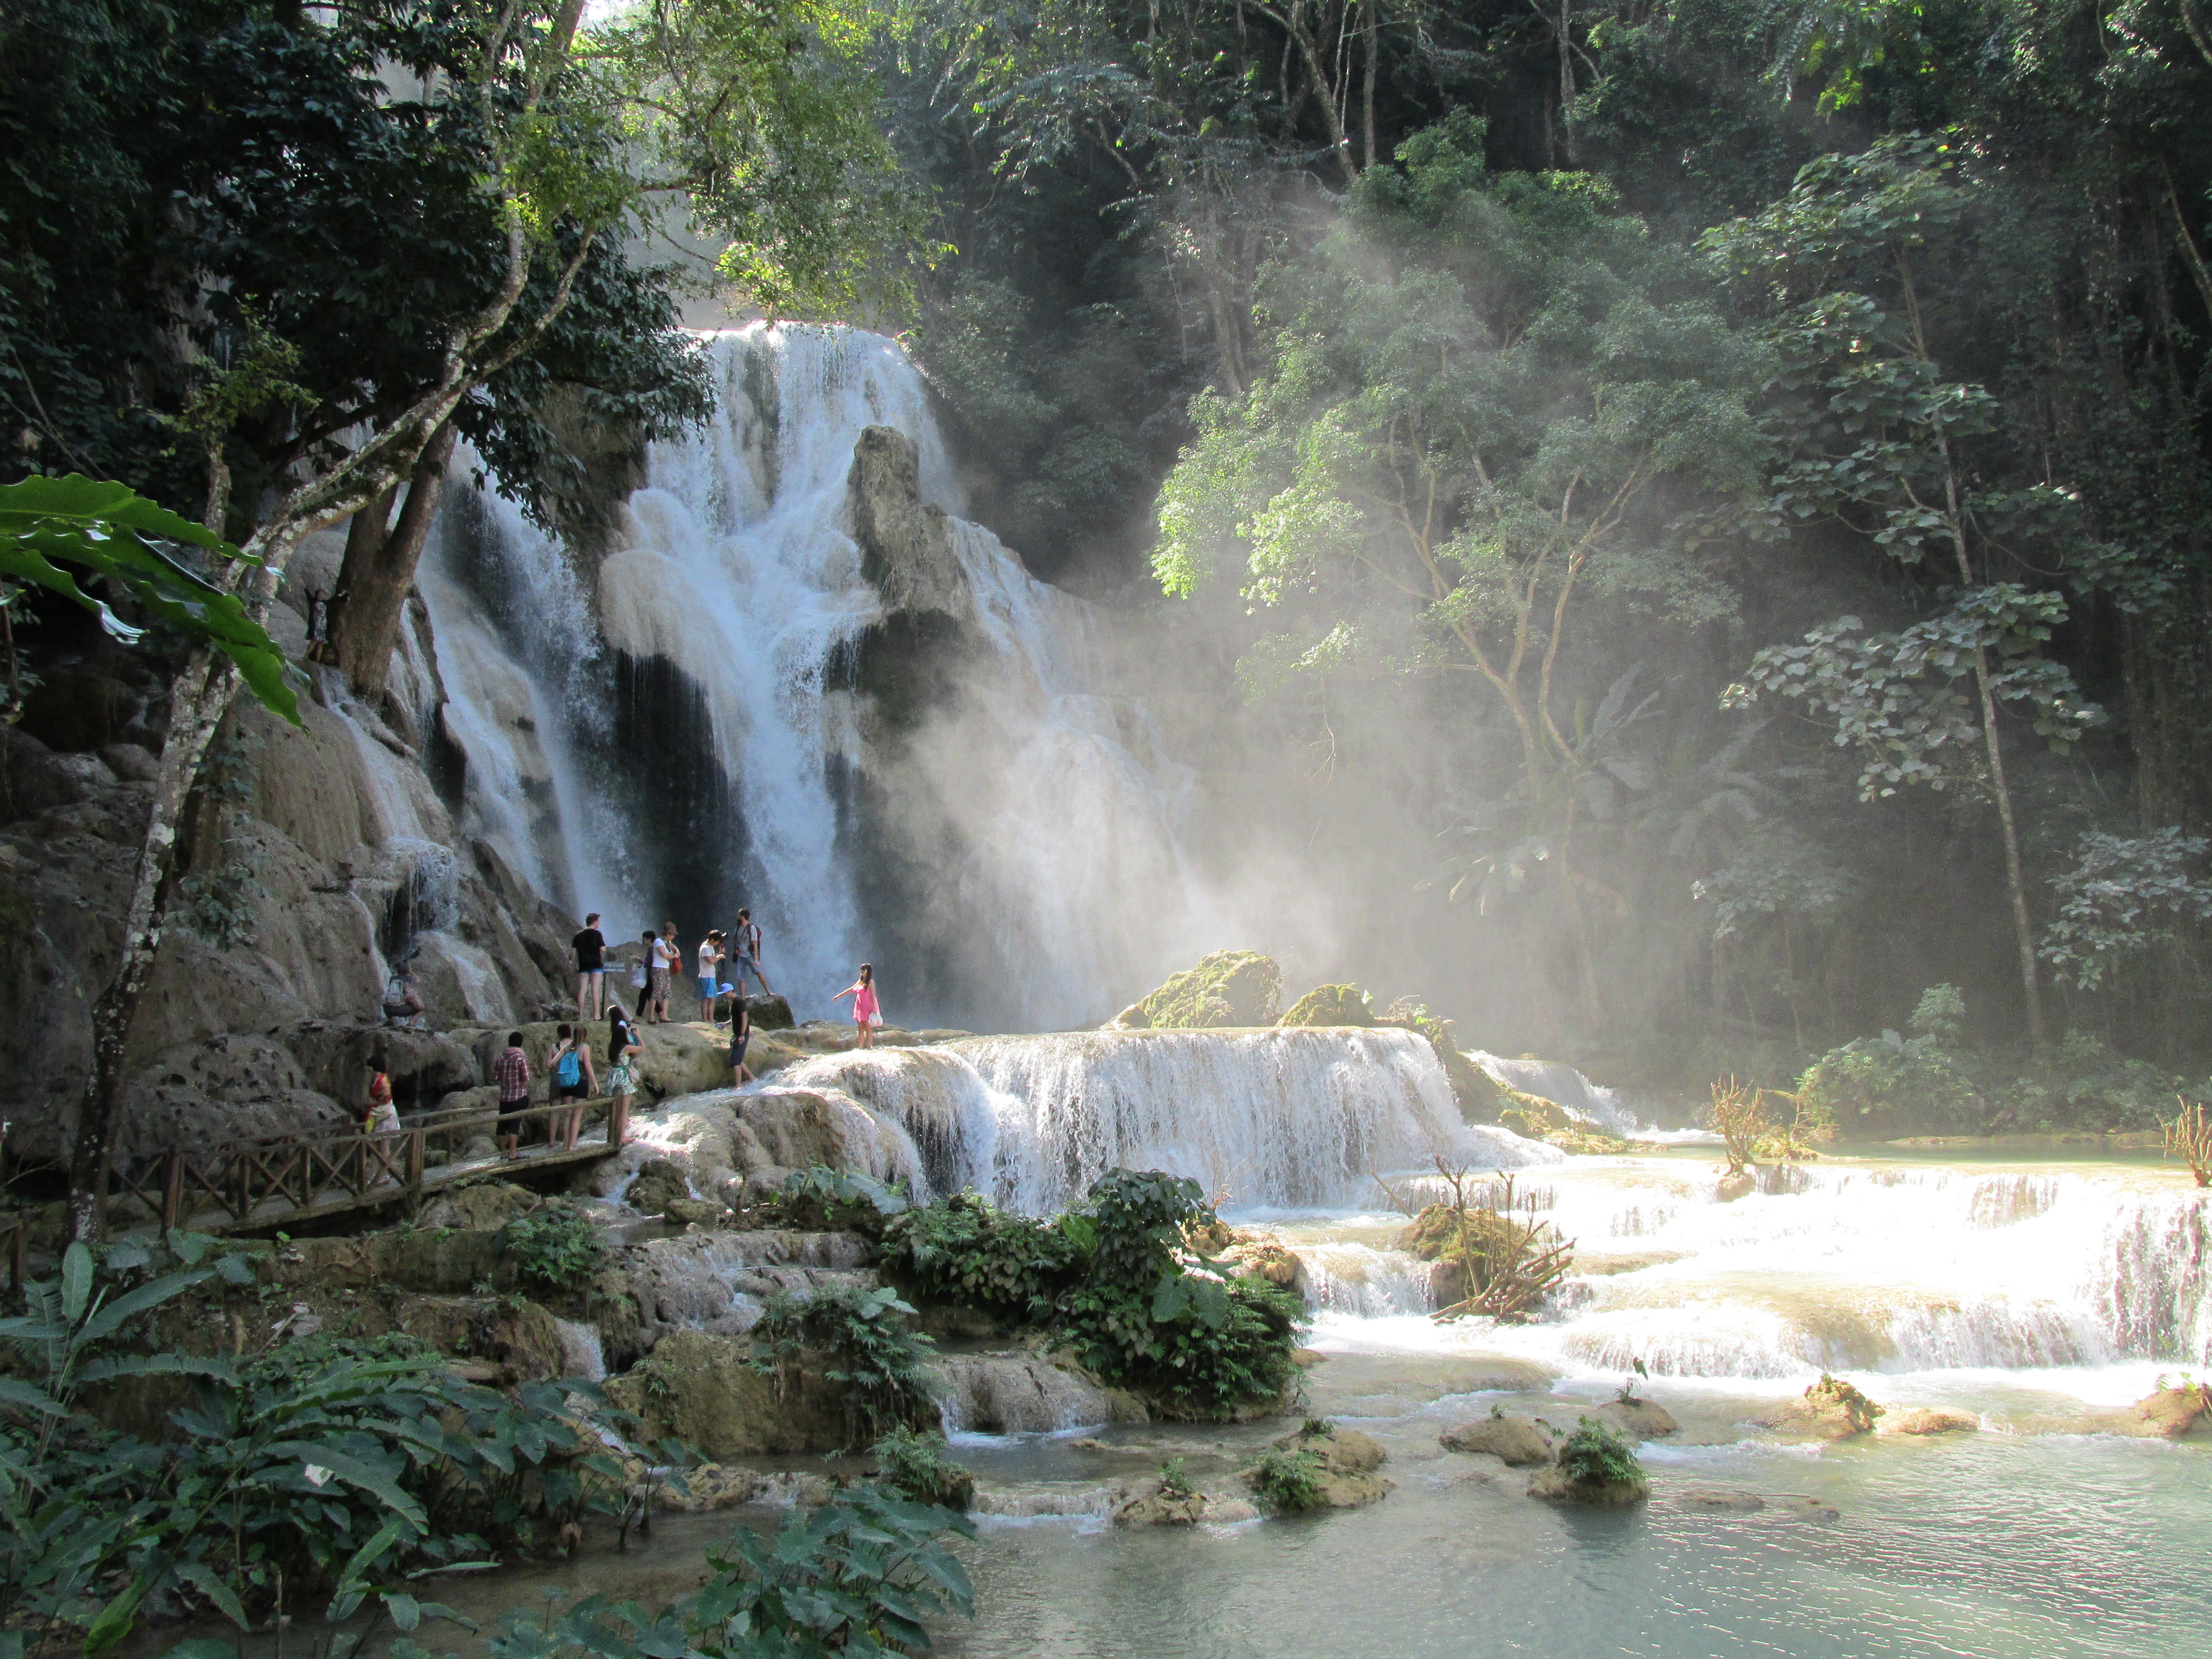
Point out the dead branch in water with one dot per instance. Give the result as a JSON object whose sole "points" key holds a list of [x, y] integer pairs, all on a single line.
{"points": [[1508, 1263], [2189, 1136], [1738, 1115]]}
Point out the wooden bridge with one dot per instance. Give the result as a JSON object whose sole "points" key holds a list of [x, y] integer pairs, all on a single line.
{"points": [[257, 1186]]}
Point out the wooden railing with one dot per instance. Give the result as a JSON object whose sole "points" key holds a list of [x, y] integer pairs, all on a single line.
{"points": [[261, 1182]]}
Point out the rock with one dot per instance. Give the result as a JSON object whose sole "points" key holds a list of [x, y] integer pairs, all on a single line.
{"points": [[1021, 1393], [659, 1181], [1153, 1503], [515, 1339], [1832, 1409], [2172, 1413], [1734, 1186], [479, 1207], [696, 1212], [769, 1013], [1515, 1441], [224, 1090], [132, 763], [1268, 1259], [1348, 1459], [1734, 1503], [720, 1280], [1331, 1004], [424, 1066], [698, 1387], [421, 1259], [906, 542], [1644, 1420], [1555, 1484], [709, 1486], [1227, 988], [1926, 1421]]}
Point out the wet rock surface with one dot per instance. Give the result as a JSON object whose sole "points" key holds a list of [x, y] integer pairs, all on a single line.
{"points": [[1515, 1441]]}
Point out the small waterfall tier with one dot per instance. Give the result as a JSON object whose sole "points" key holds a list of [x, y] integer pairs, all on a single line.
{"points": [[1263, 1118]]}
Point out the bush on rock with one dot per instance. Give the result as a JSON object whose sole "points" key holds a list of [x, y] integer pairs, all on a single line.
{"points": [[1227, 988]]}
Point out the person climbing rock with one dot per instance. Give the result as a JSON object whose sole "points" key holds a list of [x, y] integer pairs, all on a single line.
{"points": [[511, 1071], [666, 957], [745, 954], [867, 1012], [590, 949], [710, 973]]}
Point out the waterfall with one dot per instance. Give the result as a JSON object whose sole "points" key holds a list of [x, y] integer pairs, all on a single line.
{"points": [[1562, 1085], [1261, 1119], [675, 732]]}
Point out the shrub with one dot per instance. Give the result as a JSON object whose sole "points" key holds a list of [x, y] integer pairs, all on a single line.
{"points": [[1287, 1481], [920, 1466], [1833, 1391], [963, 1250], [554, 1246], [819, 1199], [871, 1345], [1593, 1455]]}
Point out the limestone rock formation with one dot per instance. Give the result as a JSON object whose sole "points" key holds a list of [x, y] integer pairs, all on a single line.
{"points": [[2174, 1412], [1515, 1441], [1924, 1421], [1557, 1486], [1226, 988], [1641, 1420], [1832, 1409], [1330, 1004], [1345, 1477], [1023, 1393], [698, 1387], [906, 542]]}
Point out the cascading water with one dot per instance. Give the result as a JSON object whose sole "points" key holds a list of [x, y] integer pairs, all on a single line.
{"points": [[668, 735], [1275, 1118]]}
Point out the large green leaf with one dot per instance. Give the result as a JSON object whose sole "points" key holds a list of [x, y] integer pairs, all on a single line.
{"points": [[53, 529]]}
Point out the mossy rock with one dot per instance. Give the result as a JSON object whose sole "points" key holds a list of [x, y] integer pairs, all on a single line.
{"points": [[1331, 1004], [1553, 1124], [699, 1387], [1227, 988]]}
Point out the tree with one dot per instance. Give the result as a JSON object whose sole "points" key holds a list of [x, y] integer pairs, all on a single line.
{"points": [[407, 252], [1487, 395], [1869, 435]]}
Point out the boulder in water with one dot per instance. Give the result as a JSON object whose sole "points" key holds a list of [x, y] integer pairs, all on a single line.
{"points": [[1832, 1409], [1926, 1421], [1343, 1462], [1162, 1503], [1227, 988], [1021, 1393], [1515, 1441], [1646, 1419], [1557, 1486], [659, 1181], [1331, 1004], [1742, 1184], [2173, 1412]]}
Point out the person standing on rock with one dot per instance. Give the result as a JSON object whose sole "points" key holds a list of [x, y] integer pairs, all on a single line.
{"points": [[666, 957], [511, 1071], [571, 1064], [641, 975], [590, 949], [319, 626], [745, 953], [867, 1012], [741, 1033], [622, 1047], [710, 973]]}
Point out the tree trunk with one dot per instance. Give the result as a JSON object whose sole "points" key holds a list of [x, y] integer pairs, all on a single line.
{"points": [[1373, 18], [380, 569]]}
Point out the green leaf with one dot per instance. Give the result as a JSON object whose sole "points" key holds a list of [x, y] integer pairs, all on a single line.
{"points": [[77, 1281]]}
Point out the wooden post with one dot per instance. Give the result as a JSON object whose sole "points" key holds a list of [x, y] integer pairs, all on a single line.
{"points": [[416, 1147], [173, 1189]]}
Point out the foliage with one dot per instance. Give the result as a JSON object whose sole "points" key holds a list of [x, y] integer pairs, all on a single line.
{"points": [[330, 1467], [819, 1199], [2189, 1136], [1594, 1456], [872, 1348], [1505, 1264], [1287, 1482], [1331, 1004], [1812, 1125], [51, 529], [1738, 1115], [963, 1250], [919, 1466], [857, 1578], [555, 1245], [1174, 1482], [2123, 897]]}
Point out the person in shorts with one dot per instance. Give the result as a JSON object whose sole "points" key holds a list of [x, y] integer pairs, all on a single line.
{"points": [[382, 1117], [622, 1050], [665, 956], [710, 973], [745, 953], [590, 949], [573, 1079], [511, 1071]]}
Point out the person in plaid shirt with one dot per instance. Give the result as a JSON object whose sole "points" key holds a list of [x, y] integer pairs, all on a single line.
{"points": [[511, 1071]]}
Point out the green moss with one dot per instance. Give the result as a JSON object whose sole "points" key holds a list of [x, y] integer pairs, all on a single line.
{"points": [[1331, 1004], [1227, 988], [1549, 1121]]}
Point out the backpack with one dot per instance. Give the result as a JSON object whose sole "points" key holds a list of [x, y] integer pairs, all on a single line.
{"points": [[570, 1070]]}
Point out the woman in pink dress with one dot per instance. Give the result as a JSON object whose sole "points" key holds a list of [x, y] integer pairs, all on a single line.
{"points": [[867, 1013]]}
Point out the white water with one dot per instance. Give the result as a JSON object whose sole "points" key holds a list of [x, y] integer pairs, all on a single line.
{"points": [[1274, 1119], [736, 567]]}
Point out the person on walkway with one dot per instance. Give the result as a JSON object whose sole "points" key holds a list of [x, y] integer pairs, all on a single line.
{"points": [[745, 953], [665, 957], [867, 1012], [382, 1117], [590, 949], [710, 973], [573, 1079], [511, 1071], [622, 1073], [741, 1033]]}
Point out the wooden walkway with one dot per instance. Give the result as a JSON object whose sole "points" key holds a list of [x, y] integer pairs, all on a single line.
{"points": [[261, 1186]]}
